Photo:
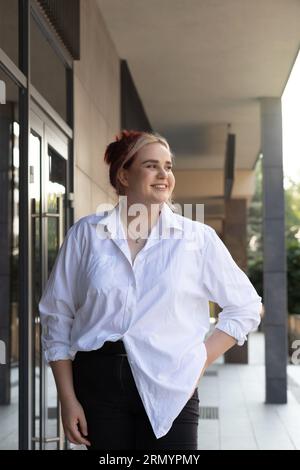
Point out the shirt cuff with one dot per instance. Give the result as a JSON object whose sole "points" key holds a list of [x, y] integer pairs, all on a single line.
{"points": [[57, 354], [232, 329]]}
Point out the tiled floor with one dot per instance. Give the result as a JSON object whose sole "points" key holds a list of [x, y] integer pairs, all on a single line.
{"points": [[245, 421]]}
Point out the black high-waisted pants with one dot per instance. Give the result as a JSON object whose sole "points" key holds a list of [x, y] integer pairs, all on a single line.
{"points": [[115, 414]]}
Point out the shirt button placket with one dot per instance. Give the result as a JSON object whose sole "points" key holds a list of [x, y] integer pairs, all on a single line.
{"points": [[130, 303]]}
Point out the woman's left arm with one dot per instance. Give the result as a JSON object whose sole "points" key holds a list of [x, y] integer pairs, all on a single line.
{"points": [[226, 284], [217, 344]]}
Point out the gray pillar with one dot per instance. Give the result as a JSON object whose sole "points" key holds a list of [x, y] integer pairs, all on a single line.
{"points": [[275, 293]]}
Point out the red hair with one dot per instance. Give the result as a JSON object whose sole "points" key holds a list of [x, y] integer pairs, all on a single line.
{"points": [[116, 152], [121, 153]]}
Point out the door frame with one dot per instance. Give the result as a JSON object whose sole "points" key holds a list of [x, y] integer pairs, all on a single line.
{"points": [[50, 135]]}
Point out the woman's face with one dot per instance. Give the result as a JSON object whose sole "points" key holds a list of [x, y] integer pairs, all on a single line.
{"points": [[149, 179]]}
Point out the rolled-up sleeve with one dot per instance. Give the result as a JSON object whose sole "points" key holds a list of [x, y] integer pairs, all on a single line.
{"points": [[227, 285], [57, 305]]}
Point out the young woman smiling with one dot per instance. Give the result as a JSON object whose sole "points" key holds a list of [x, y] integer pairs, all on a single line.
{"points": [[125, 311]]}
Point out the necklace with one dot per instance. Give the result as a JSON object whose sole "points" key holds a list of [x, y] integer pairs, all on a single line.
{"points": [[138, 239]]}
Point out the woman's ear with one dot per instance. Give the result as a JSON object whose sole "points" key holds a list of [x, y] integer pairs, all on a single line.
{"points": [[123, 177]]}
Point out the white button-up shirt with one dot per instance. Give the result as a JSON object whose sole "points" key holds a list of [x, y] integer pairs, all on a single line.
{"points": [[158, 305]]}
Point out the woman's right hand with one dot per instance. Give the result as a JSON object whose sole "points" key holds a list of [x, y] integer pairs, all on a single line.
{"points": [[74, 422]]}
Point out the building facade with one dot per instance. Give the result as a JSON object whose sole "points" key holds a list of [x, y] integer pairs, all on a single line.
{"points": [[66, 90]]}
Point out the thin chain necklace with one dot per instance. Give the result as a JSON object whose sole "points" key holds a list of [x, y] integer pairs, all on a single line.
{"points": [[139, 238]]}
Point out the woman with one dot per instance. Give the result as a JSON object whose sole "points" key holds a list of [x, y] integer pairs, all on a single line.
{"points": [[125, 310]]}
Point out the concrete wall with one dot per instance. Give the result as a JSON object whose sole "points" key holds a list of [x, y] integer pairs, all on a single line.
{"points": [[9, 33], [210, 183], [96, 109]]}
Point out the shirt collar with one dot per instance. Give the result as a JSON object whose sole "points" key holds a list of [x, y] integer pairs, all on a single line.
{"points": [[111, 223]]}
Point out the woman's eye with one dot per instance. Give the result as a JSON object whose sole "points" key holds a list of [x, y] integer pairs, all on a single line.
{"points": [[154, 166]]}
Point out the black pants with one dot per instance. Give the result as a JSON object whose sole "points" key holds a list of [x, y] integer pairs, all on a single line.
{"points": [[115, 414]]}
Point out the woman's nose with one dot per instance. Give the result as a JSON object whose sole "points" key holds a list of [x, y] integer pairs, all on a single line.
{"points": [[163, 172]]}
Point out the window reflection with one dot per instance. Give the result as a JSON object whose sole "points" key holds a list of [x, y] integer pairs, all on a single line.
{"points": [[9, 263]]}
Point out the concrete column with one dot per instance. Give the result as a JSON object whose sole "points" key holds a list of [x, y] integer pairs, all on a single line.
{"points": [[235, 239], [275, 291]]}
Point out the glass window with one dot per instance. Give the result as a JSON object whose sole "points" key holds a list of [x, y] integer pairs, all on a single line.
{"points": [[9, 260], [47, 192]]}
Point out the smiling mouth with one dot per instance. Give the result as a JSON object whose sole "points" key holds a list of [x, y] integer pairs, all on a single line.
{"points": [[160, 187]]}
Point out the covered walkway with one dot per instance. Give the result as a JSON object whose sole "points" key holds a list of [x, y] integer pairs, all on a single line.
{"points": [[236, 394]]}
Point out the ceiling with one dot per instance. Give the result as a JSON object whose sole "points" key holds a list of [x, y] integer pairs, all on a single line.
{"points": [[199, 65]]}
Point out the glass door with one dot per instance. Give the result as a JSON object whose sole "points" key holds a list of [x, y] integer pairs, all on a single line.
{"points": [[48, 170], [10, 363]]}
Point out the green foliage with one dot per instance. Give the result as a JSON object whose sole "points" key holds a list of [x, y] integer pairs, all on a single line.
{"points": [[255, 273], [292, 210], [292, 232], [255, 216], [293, 268]]}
